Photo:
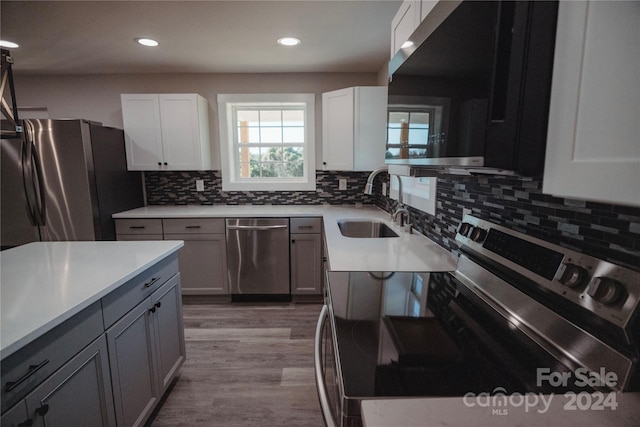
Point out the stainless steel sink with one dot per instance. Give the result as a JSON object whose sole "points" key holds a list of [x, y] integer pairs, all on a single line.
{"points": [[365, 229]]}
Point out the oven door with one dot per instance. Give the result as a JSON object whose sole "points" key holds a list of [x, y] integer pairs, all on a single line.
{"points": [[326, 371]]}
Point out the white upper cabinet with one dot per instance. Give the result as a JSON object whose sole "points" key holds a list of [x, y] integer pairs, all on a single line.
{"points": [[404, 23], [166, 131], [353, 128], [593, 145]]}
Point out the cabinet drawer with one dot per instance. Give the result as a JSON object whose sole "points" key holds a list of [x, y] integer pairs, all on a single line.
{"points": [[29, 366], [306, 225], [139, 226], [193, 225], [119, 302]]}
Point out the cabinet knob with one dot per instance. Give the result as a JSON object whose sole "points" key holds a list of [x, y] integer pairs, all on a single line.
{"points": [[159, 163], [165, 163], [293, 241], [42, 410]]}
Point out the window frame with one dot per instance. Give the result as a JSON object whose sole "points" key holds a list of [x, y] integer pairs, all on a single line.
{"points": [[229, 156]]}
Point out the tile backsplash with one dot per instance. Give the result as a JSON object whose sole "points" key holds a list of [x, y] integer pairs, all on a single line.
{"points": [[602, 230], [179, 188]]}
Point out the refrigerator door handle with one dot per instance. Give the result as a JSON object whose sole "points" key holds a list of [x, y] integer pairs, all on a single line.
{"points": [[39, 183], [27, 177]]}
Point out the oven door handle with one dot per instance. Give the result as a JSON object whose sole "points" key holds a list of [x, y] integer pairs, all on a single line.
{"points": [[319, 369]]}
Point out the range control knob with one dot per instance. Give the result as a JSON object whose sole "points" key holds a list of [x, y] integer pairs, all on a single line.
{"points": [[605, 290], [573, 275], [464, 228], [478, 234]]}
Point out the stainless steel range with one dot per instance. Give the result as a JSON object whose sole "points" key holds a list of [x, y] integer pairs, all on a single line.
{"points": [[519, 315]]}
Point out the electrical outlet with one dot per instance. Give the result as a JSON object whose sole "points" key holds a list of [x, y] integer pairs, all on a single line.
{"points": [[199, 184], [342, 184], [466, 211]]}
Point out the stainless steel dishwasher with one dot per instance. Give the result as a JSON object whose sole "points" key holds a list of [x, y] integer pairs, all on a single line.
{"points": [[258, 256]]}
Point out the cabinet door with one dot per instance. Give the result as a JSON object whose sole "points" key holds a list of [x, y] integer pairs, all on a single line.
{"points": [[370, 124], [143, 137], [16, 416], [338, 129], [306, 264], [593, 144], [404, 23], [132, 344], [203, 263], [181, 134], [167, 318], [78, 394]]}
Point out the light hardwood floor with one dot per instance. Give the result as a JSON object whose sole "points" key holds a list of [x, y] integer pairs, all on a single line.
{"points": [[247, 364]]}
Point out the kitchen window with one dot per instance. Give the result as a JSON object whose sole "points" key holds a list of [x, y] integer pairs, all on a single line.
{"points": [[267, 142]]}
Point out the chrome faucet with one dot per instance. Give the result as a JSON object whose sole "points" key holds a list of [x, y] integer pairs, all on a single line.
{"points": [[405, 218], [368, 189]]}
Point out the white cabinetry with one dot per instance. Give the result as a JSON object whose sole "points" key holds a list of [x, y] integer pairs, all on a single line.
{"points": [[353, 128], [404, 23], [166, 131], [593, 145]]}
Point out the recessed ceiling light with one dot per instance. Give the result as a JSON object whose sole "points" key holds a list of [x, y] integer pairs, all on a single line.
{"points": [[289, 41], [406, 44], [147, 42], [7, 43]]}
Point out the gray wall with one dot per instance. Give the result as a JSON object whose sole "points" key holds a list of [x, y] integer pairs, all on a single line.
{"points": [[97, 97]]}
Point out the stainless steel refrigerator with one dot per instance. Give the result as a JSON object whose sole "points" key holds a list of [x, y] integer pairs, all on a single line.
{"points": [[62, 182]]}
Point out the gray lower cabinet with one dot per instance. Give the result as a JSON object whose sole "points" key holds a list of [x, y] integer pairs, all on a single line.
{"points": [[78, 394], [146, 348], [306, 256], [203, 259]]}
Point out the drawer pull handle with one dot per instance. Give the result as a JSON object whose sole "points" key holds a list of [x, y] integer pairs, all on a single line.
{"points": [[137, 227], [193, 226], [42, 411], [10, 385], [151, 282], [27, 423], [305, 226]]}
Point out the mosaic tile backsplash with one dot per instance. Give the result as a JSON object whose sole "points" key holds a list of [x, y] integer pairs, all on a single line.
{"points": [[179, 188], [602, 230]]}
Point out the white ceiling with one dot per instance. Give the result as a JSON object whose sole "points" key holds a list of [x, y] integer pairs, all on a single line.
{"points": [[210, 36]]}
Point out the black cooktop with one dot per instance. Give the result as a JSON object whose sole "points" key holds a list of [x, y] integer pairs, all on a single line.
{"points": [[417, 334]]}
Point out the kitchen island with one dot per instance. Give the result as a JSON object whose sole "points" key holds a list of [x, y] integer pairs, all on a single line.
{"points": [[78, 320]]}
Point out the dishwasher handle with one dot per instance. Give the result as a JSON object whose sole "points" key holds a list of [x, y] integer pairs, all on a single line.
{"points": [[256, 227], [319, 371]]}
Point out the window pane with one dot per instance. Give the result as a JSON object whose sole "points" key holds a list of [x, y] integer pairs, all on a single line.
{"points": [[393, 136], [419, 118], [249, 134], [271, 135], [293, 154], [249, 117], [418, 136], [293, 135], [271, 154], [397, 118], [271, 118], [295, 169], [293, 117], [392, 153]]}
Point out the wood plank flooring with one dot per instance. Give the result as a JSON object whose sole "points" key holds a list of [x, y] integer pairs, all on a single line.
{"points": [[248, 364]]}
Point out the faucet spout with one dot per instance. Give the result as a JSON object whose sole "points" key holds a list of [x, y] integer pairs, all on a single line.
{"points": [[368, 188]]}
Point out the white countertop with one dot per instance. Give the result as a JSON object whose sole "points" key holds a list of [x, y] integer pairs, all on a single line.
{"points": [[409, 252], [453, 411], [44, 284]]}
